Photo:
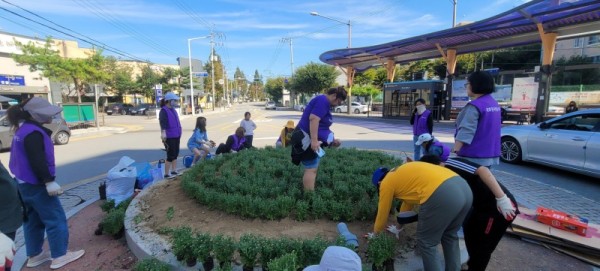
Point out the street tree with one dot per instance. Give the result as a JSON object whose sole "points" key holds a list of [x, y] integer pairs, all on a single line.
{"points": [[314, 78], [218, 72], [120, 81], [146, 82], [256, 89], [81, 72], [274, 88]]}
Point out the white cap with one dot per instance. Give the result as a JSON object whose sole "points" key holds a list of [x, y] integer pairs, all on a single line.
{"points": [[337, 259], [423, 138]]}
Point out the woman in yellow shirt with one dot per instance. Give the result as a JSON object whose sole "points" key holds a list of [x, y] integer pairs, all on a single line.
{"points": [[444, 199]]}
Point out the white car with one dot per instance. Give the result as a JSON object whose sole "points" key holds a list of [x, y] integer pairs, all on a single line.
{"points": [[570, 142], [271, 105], [356, 108]]}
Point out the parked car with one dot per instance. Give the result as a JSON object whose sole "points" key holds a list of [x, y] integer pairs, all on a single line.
{"points": [[140, 109], [299, 107], [356, 108], [60, 131], [570, 142], [118, 108], [271, 105]]}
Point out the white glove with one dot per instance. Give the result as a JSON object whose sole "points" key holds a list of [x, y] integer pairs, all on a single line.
{"points": [[7, 251], [163, 135], [506, 207], [53, 189], [393, 229], [369, 235]]}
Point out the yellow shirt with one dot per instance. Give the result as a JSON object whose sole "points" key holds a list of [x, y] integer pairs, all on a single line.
{"points": [[413, 183]]}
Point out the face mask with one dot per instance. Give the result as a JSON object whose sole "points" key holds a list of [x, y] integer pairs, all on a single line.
{"points": [[173, 103], [420, 109]]}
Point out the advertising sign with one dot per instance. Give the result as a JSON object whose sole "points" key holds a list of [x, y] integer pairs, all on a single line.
{"points": [[159, 94], [459, 94], [503, 93], [12, 80], [525, 92]]}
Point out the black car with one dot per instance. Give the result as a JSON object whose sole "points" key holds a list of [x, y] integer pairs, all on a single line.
{"points": [[118, 108], [140, 109]]}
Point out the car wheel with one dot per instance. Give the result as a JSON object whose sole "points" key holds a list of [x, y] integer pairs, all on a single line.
{"points": [[61, 138], [109, 113], [338, 110], [356, 111], [510, 150]]}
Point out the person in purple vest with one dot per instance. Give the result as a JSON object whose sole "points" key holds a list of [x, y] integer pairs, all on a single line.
{"points": [[170, 132], [235, 142], [477, 136], [313, 131], [32, 162], [432, 146], [422, 122]]}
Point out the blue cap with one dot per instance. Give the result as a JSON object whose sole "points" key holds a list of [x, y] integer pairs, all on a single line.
{"points": [[171, 96], [378, 175]]}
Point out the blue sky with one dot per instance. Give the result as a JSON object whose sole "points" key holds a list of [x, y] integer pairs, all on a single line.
{"points": [[250, 31]]}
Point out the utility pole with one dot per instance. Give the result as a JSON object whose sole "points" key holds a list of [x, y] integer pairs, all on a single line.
{"points": [[212, 66], [292, 93]]}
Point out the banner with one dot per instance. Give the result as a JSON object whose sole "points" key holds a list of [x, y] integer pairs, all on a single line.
{"points": [[525, 93], [459, 94], [503, 93]]}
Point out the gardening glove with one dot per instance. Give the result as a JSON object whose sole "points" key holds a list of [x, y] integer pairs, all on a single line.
{"points": [[369, 235], [393, 229], [163, 135], [53, 189], [506, 207], [7, 252]]}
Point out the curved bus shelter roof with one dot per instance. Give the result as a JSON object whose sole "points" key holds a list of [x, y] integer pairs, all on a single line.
{"points": [[567, 18]]}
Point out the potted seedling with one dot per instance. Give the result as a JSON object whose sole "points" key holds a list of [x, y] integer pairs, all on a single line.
{"points": [[381, 251], [183, 246], [223, 248], [249, 248], [151, 264], [202, 250], [287, 262]]}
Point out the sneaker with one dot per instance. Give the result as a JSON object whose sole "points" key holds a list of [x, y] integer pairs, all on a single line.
{"points": [[71, 256], [39, 259], [167, 176], [170, 176], [175, 173]]}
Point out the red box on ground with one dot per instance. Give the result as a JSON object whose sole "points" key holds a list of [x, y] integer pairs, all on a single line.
{"points": [[561, 220]]}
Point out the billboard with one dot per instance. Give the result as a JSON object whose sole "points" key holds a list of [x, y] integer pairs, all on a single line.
{"points": [[459, 94], [12, 80], [525, 93]]}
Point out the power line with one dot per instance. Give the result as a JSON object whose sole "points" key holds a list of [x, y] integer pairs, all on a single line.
{"points": [[190, 12], [106, 16], [73, 31], [62, 32]]}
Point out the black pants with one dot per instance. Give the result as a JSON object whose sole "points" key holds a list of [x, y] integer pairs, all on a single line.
{"points": [[223, 149], [249, 140], [172, 145], [483, 231]]}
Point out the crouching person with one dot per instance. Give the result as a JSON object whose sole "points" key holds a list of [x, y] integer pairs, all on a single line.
{"points": [[235, 142], [444, 199]]}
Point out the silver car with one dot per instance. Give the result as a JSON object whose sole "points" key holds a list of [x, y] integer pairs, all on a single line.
{"points": [[60, 131], [570, 142]]}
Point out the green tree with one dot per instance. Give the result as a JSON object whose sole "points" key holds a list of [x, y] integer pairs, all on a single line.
{"points": [[120, 78], [218, 72], [81, 72], [314, 78], [274, 88], [146, 82], [256, 89]]}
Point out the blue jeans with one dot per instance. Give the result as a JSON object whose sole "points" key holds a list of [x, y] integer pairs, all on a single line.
{"points": [[44, 214], [417, 153]]}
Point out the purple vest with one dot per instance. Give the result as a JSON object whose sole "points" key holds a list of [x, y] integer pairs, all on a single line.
{"points": [[174, 129], [19, 164], [486, 141], [420, 123], [445, 150], [237, 143]]}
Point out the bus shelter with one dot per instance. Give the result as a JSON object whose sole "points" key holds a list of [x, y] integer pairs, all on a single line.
{"points": [[399, 98]]}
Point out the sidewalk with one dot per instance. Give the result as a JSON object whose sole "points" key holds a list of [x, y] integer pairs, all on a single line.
{"points": [[529, 193]]}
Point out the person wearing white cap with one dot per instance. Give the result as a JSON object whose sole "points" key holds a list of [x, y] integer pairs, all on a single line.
{"points": [[32, 163], [337, 259], [432, 146], [170, 132]]}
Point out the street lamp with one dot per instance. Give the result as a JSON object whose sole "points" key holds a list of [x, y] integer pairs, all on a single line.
{"points": [[349, 24], [190, 65], [348, 72]]}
